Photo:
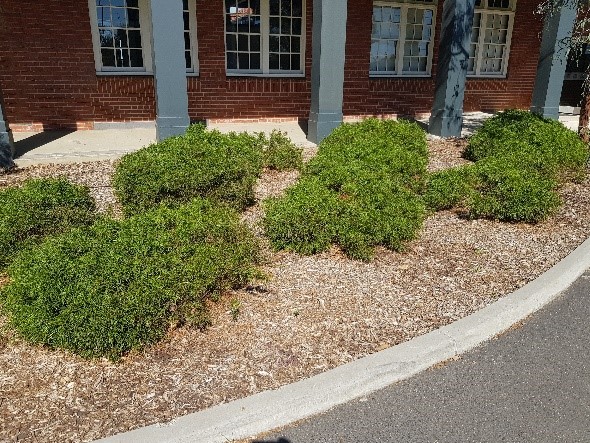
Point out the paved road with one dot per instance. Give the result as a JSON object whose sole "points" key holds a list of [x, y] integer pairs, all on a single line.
{"points": [[532, 384]]}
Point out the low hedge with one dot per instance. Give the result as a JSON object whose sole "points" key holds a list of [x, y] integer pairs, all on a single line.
{"points": [[39, 208], [119, 285], [521, 159], [361, 190], [201, 163]]}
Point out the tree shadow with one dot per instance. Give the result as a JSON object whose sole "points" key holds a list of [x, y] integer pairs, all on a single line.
{"points": [[35, 141]]}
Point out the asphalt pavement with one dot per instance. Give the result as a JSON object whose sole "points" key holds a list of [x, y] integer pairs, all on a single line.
{"points": [[530, 384]]}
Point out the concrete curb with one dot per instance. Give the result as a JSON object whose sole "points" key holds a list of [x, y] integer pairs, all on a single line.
{"points": [[272, 409]]}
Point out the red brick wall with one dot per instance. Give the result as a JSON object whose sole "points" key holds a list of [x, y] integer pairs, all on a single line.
{"points": [[213, 95], [48, 74], [414, 96]]}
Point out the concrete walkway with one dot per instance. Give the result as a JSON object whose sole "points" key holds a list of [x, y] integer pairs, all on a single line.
{"points": [[115, 140]]}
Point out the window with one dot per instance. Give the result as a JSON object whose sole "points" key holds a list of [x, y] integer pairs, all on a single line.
{"points": [[401, 42], [122, 35], [190, 35], [264, 37], [490, 39]]}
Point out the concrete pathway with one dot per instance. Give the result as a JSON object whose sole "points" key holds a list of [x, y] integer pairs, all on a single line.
{"points": [[531, 384]]}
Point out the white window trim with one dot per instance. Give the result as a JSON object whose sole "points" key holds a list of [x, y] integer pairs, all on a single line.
{"points": [[484, 11], [404, 6], [192, 12], [146, 41], [264, 46]]}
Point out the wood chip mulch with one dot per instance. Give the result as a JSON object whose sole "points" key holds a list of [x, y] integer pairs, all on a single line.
{"points": [[312, 314]]}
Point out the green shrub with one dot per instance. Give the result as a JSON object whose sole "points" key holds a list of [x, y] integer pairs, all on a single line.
{"points": [[40, 208], [201, 163], [361, 190], [450, 188], [280, 153], [520, 161], [119, 285], [513, 193], [304, 220], [541, 144]]}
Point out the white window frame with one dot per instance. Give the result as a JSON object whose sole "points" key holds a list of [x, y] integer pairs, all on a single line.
{"points": [[265, 71], [484, 10], [404, 6], [192, 12], [146, 42]]}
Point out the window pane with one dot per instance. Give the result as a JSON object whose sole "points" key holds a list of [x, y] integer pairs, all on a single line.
{"points": [[386, 32], [273, 61], [104, 16], [134, 39], [273, 44], [108, 57], [418, 39], [286, 8], [133, 18], [119, 28], [232, 60], [255, 61], [243, 28], [285, 62], [243, 60], [231, 42], [136, 58], [275, 8], [255, 43], [119, 18], [106, 38], [295, 62]]}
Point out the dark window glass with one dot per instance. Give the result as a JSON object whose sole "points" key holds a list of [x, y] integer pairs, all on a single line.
{"points": [[255, 61], [273, 44], [231, 42], [108, 57], [136, 58], [232, 60], [285, 62], [243, 61], [134, 39], [295, 62], [273, 60], [255, 43], [133, 18], [275, 8]]}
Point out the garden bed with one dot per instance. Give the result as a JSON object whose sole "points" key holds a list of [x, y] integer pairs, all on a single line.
{"points": [[313, 313]]}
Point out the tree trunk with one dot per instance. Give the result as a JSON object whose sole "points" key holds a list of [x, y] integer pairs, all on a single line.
{"points": [[584, 118]]}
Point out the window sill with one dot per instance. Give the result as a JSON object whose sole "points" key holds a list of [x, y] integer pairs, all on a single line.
{"points": [[135, 74], [123, 73], [398, 76], [486, 77], [254, 74]]}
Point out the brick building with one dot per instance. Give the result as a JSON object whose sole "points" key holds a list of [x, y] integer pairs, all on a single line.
{"points": [[75, 63]]}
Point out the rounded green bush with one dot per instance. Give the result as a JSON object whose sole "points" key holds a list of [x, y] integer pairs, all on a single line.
{"points": [[39, 208], [511, 193], [201, 163], [360, 191], [541, 144], [304, 220], [120, 285]]}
